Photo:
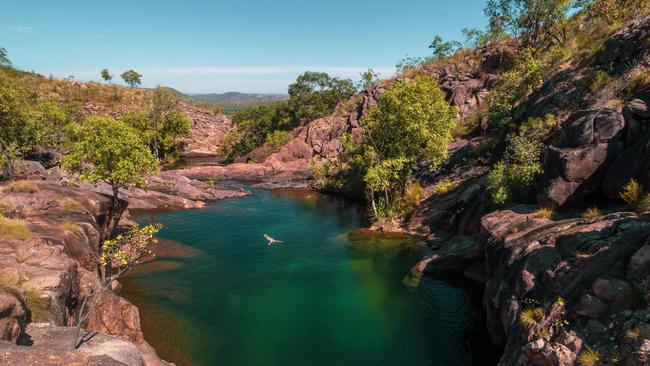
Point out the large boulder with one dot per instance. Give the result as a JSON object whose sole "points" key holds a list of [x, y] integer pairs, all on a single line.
{"points": [[576, 161]]}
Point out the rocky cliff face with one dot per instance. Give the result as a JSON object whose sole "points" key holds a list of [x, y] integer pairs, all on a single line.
{"points": [[559, 290]]}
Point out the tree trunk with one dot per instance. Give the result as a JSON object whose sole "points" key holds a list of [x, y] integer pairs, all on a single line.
{"points": [[374, 206], [386, 197]]}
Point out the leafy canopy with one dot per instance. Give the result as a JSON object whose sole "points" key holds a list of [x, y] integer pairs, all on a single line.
{"points": [[412, 122], [131, 78], [109, 150], [539, 23], [106, 75]]}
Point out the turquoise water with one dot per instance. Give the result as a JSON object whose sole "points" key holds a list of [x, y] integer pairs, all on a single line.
{"points": [[322, 297]]}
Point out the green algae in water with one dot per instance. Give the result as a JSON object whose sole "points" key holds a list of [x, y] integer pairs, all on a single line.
{"points": [[328, 295]]}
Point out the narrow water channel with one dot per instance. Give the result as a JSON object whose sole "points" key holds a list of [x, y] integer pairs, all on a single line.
{"points": [[322, 297]]}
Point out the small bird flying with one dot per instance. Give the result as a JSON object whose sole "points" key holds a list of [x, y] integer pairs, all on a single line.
{"points": [[271, 240]]}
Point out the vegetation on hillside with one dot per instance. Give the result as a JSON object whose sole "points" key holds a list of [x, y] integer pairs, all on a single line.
{"points": [[412, 122], [313, 95]]}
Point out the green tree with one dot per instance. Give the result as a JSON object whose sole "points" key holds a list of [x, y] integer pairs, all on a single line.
{"points": [[52, 120], [539, 23], [315, 94], [106, 75], [475, 37], [131, 78], [441, 49], [164, 126], [19, 132], [369, 78], [411, 123], [4, 59], [515, 85], [110, 151]]}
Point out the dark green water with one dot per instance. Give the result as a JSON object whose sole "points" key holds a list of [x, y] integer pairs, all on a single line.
{"points": [[319, 298]]}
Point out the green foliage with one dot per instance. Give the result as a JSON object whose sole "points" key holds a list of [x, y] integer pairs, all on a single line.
{"points": [[109, 150], [14, 229], [444, 186], [441, 49], [131, 78], [515, 85], [106, 75], [315, 94], [600, 81], [475, 37], [412, 122], [276, 139], [540, 24], [128, 249], [612, 10], [18, 127], [513, 177], [4, 59], [52, 120], [164, 126], [369, 78]]}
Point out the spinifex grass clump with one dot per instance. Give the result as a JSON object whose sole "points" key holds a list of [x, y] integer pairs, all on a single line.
{"points": [[531, 316], [545, 213], [22, 186], [589, 357], [634, 195], [14, 229], [592, 213]]}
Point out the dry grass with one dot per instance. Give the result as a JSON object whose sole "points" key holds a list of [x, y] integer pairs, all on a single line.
{"points": [[589, 357], [38, 306], [71, 227], [413, 195], [14, 229], [70, 205], [592, 213], [634, 195], [633, 334], [545, 213], [580, 255], [530, 316], [4, 208], [22, 186]]}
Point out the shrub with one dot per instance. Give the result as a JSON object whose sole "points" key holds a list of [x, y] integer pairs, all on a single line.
{"points": [[22, 186], [530, 316], [601, 80], [589, 357], [592, 213], [413, 195], [545, 213], [444, 186], [14, 229], [276, 139], [513, 177]]}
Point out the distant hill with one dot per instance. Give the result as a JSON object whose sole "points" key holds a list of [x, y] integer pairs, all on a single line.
{"points": [[231, 101]]}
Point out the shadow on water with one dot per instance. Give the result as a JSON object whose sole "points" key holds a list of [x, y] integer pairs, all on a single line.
{"points": [[328, 295]]}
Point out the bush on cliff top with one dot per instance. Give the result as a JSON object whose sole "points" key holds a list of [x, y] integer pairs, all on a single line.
{"points": [[411, 122]]}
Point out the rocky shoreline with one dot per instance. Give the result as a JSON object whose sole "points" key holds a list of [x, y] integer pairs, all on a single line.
{"points": [[44, 276]]}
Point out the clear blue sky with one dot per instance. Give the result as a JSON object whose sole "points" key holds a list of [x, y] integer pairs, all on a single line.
{"points": [[217, 46]]}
